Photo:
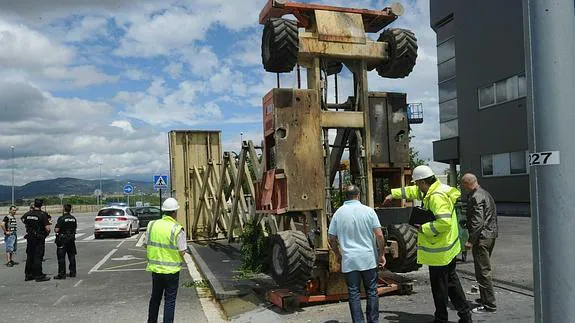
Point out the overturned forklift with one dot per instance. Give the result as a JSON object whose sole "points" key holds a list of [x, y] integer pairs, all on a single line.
{"points": [[299, 162], [289, 194]]}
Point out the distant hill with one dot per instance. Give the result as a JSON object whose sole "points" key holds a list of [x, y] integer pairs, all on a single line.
{"points": [[70, 186]]}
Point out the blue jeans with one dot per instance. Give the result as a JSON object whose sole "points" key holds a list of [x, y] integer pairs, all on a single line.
{"points": [[11, 242], [166, 285], [353, 280]]}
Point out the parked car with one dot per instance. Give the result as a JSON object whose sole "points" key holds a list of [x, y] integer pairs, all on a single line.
{"points": [[146, 214], [114, 220]]}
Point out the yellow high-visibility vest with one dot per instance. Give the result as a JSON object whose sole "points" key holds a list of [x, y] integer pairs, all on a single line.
{"points": [[162, 246], [438, 240]]}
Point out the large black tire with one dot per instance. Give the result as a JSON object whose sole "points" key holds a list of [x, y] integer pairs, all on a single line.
{"points": [[402, 49], [280, 45], [406, 237], [292, 259]]}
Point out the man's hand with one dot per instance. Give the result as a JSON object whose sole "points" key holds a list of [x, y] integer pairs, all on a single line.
{"points": [[388, 200], [382, 262], [418, 227], [468, 245]]}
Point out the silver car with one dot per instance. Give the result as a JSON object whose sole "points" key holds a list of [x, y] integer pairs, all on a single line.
{"points": [[114, 220]]}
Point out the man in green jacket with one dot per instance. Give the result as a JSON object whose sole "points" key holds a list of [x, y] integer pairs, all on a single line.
{"points": [[438, 240]]}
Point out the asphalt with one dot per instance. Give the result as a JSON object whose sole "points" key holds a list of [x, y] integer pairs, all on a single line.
{"points": [[243, 301], [112, 285]]}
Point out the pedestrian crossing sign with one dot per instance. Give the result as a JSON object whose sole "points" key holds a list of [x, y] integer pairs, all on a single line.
{"points": [[160, 181]]}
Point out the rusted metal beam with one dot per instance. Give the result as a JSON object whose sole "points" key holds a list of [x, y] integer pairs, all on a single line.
{"points": [[374, 20], [311, 47], [331, 119]]}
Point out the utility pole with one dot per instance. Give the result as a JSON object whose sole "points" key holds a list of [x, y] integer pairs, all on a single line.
{"points": [[549, 28], [12, 149], [101, 193]]}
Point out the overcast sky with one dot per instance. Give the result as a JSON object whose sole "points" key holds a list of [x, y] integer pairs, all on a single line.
{"points": [[84, 82]]}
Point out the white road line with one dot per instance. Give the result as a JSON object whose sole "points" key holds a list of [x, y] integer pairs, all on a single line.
{"points": [[101, 262], [89, 238], [59, 300], [79, 235], [211, 310], [133, 238], [78, 283], [141, 241], [50, 239], [119, 244], [129, 269]]}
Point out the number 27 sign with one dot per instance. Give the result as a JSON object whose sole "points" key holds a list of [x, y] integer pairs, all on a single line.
{"points": [[544, 158]]}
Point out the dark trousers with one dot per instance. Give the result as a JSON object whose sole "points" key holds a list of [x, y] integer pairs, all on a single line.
{"points": [[166, 285], [63, 250], [481, 258], [445, 284], [34, 253], [353, 280]]}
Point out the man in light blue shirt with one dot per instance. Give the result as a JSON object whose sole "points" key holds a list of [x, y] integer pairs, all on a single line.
{"points": [[356, 238]]}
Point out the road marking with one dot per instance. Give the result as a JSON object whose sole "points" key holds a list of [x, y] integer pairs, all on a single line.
{"points": [[211, 310], [129, 269], [133, 238], [50, 239], [141, 241], [89, 238], [119, 244], [79, 235], [99, 264], [59, 300], [78, 283], [126, 265]]}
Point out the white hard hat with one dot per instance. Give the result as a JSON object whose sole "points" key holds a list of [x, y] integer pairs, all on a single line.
{"points": [[170, 204], [422, 172]]}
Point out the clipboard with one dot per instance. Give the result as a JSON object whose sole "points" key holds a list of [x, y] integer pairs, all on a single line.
{"points": [[420, 216]]}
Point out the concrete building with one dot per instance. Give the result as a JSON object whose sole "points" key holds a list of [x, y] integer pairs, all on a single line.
{"points": [[482, 105]]}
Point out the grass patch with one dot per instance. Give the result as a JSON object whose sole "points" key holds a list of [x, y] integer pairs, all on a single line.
{"points": [[196, 283]]}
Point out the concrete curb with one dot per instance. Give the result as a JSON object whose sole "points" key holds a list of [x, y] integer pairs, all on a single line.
{"points": [[219, 292]]}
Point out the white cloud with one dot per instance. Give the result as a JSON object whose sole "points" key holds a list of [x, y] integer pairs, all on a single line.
{"points": [[124, 125], [80, 76], [88, 28], [25, 48]]}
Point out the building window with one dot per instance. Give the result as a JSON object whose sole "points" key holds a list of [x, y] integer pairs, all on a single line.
{"points": [[446, 70], [502, 91], [449, 129], [514, 163], [448, 110], [447, 90], [487, 165], [486, 96], [446, 50], [522, 91], [518, 162]]}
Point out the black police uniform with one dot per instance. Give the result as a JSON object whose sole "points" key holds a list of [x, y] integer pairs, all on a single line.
{"points": [[36, 222], [65, 241]]}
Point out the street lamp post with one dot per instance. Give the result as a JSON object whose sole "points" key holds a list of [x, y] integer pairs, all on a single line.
{"points": [[12, 149], [100, 195]]}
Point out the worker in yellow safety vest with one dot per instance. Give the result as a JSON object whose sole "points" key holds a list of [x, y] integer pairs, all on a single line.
{"points": [[166, 246], [437, 240]]}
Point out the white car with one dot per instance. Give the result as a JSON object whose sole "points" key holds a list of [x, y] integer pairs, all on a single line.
{"points": [[114, 220]]}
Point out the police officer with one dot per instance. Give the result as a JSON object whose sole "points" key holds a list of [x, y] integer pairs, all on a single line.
{"points": [[65, 242], [37, 229]]}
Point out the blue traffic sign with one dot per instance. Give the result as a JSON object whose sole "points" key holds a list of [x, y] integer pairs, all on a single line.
{"points": [[128, 189], [160, 181]]}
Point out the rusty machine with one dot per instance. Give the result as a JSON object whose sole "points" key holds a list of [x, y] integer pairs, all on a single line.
{"points": [[299, 162]]}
